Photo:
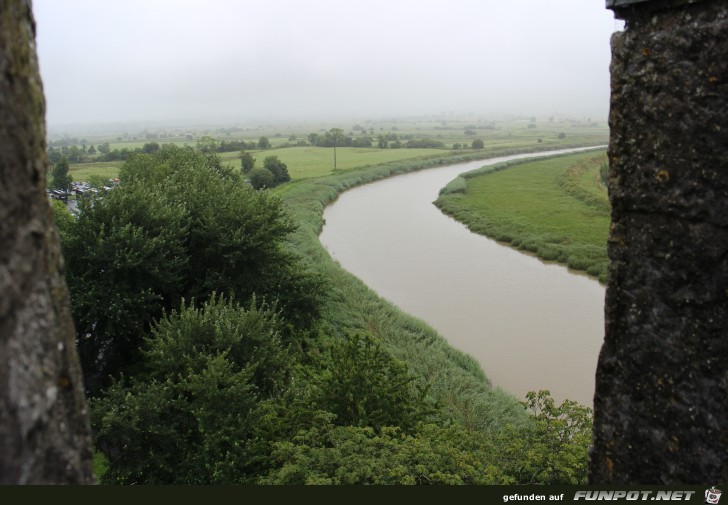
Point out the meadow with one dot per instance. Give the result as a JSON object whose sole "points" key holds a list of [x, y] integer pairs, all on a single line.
{"points": [[306, 161], [311, 161], [85, 171], [557, 208]]}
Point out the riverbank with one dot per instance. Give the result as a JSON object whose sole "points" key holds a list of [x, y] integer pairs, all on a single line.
{"points": [[456, 379], [555, 208]]}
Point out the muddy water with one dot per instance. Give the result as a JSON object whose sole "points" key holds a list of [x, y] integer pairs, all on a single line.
{"points": [[531, 325]]}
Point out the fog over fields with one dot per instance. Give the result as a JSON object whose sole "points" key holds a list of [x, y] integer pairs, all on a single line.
{"points": [[224, 60]]}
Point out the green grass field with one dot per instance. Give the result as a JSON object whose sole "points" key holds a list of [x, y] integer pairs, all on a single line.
{"points": [[306, 162], [556, 208], [309, 161], [106, 169]]}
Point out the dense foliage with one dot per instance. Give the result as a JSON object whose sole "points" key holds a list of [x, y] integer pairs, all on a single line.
{"points": [[552, 451], [247, 162], [194, 414], [179, 226]]}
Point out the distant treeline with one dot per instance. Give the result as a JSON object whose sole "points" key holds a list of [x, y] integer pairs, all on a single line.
{"points": [[86, 153], [385, 141]]}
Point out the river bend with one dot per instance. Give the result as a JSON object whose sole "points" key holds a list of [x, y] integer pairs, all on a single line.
{"points": [[530, 324]]}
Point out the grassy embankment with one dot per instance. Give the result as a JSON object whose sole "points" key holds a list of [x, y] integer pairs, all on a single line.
{"points": [[556, 208], [456, 379]]}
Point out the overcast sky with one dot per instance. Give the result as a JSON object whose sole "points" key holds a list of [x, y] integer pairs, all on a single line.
{"points": [[106, 61]]}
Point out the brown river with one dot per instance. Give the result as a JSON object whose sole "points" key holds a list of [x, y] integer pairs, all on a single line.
{"points": [[530, 324]]}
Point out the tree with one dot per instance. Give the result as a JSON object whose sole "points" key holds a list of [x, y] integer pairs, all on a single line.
{"points": [[207, 145], [364, 386], [347, 455], [97, 181], [150, 147], [263, 143], [60, 179], [194, 416], [562, 136], [180, 225], [262, 178], [478, 144], [425, 144], [552, 449], [247, 162], [362, 142], [74, 154], [553, 452], [277, 168], [62, 217], [54, 155], [125, 259]]}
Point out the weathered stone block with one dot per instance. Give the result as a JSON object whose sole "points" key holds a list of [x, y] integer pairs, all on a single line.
{"points": [[44, 426], [662, 380]]}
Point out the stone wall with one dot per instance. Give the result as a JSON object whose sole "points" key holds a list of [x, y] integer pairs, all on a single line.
{"points": [[661, 401], [44, 427]]}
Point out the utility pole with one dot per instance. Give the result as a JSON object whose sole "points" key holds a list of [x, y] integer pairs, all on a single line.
{"points": [[336, 135]]}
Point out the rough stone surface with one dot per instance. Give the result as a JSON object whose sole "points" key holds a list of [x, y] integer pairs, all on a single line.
{"points": [[44, 428], [661, 401]]}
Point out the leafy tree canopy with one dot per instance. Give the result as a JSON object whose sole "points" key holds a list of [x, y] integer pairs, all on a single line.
{"points": [[277, 168], [193, 415], [247, 162], [550, 451], [60, 178], [365, 386], [180, 225], [262, 178]]}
